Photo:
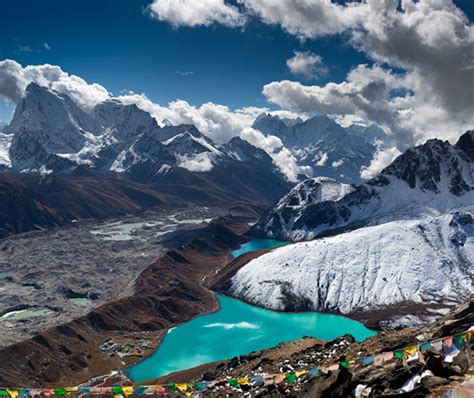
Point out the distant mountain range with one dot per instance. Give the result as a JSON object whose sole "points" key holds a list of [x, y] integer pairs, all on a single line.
{"points": [[322, 144], [402, 243]]}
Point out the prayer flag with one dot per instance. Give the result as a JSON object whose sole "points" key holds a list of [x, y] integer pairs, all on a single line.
{"points": [[425, 346], [368, 360], [201, 385], [3, 393], [290, 378], [257, 379], [118, 390], [279, 378], [459, 342], [234, 383], [334, 367], [378, 360], [59, 392], [243, 380], [313, 372], [410, 353], [387, 356], [398, 354], [171, 387], [182, 387], [344, 364], [300, 373], [437, 345], [160, 390], [12, 393], [127, 390]]}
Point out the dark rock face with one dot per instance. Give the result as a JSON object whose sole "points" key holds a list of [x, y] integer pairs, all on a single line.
{"points": [[22, 210], [423, 166]]}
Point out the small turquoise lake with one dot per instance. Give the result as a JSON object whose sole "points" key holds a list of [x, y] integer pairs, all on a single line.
{"points": [[257, 244], [238, 328]]}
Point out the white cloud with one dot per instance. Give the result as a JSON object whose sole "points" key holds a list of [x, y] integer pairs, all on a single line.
{"points": [[382, 158], [282, 156], [322, 160], [14, 79], [337, 163], [429, 43], [196, 12], [46, 46], [308, 65], [307, 18], [200, 163]]}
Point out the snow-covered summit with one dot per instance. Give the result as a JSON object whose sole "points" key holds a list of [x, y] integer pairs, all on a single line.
{"points": [[428, 179], [328, 148], [49, 133]]}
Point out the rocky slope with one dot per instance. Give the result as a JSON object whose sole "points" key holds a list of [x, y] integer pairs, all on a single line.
{"points": [[21, 209], [322, 144], [428, 179]]}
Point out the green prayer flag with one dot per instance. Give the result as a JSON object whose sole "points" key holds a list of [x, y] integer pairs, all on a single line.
{"points": [[59, 392], [172, 387], [290, 378], [117, 390], [344, 364], [3, 393], [234, 383], [398, 354]]}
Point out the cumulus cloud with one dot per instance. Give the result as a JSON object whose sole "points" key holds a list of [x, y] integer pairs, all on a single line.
{"points": [[421, 84], [282, 156], [307, 18], [196, 12], [307, 65], [429, 42], [14, 79], [382, 158]]}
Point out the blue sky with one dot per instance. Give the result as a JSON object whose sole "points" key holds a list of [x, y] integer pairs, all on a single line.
{"points": [[415, 81], [114, 43]]}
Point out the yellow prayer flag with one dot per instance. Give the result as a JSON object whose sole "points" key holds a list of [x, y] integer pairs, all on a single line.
{"points": [[12, 393], [182, 387], [300, 373], [243, 380], [410, 351], [127, 390]]}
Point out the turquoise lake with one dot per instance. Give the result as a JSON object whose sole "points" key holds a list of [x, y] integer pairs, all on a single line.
{"points": [[257, 244], [238, 328]]}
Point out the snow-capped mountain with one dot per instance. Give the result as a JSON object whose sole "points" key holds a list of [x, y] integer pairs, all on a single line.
{"points": [[424, 264], [428, 179], [329, 149], [50, 134]]}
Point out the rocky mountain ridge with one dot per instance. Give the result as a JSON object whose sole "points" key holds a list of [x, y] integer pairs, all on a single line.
{"points": [[428, 179]]}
